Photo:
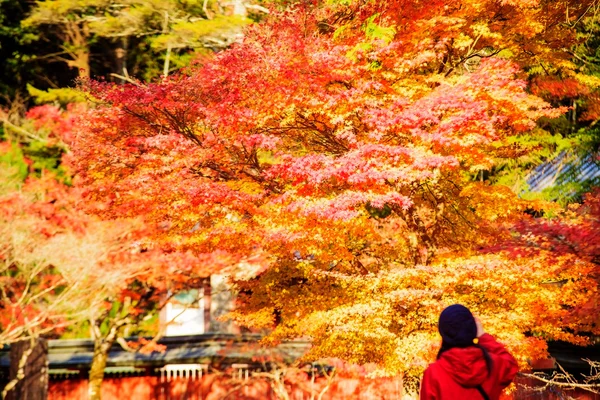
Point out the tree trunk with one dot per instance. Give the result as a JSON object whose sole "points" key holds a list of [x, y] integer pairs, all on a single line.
{"points": [[101, 349], [207, 293], [82, 63], [121, 60], [28, 371], [165, 30], [77, 46], [167, 60], [239, 8]]}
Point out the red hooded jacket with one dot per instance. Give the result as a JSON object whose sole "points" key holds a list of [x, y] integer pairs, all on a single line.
{"points": [[458, 372]]}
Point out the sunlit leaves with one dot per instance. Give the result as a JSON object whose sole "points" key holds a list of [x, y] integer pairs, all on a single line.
{"points": [[340, 143]]}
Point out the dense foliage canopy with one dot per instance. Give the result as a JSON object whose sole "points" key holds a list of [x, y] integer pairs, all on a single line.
{"points": [[342, 155], [354, 166]]}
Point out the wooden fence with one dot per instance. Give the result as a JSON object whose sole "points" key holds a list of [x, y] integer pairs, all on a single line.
{"points": [[194, 382]]}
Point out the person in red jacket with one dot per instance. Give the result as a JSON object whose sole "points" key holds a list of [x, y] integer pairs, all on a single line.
{"points": [[471, 364]]}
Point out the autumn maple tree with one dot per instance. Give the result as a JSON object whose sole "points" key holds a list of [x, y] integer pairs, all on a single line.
{"points": [[61, 268], [334, 158], [121, 280], [33, 300], [37, 297]]}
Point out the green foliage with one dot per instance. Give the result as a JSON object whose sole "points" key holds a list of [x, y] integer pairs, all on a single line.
{"points": [[149, 326], [80, 330], [588, 49], [14, 167], [382, 212], [37, 45], [374, 32], [186, 33], [176, 28], [542, 146], [567, 188], [339, 32], [147, 64], [27, 149], [62, 96], [18, 48], [47, 158], [534, 149], [569, 141]]}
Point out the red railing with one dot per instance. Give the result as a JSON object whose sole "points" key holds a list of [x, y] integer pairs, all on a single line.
{"points": [[196, 384], [189, 384]]}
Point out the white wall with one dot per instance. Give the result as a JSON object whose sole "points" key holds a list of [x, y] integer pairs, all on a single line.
{"points": [[184, 318]]}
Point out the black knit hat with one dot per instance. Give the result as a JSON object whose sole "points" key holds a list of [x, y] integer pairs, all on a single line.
{"points": [[457, 327]]}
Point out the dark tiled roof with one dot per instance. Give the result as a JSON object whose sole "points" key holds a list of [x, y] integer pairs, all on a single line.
{"points": [[565, 168], [218, 350]]}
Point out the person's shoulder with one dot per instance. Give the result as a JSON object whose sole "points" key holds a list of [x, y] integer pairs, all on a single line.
{"points": [[433, 368], [486, 337]]}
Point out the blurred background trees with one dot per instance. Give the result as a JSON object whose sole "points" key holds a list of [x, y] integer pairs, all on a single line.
{"points": [[48, 44]]}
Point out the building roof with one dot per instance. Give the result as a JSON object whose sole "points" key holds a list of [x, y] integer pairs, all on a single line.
{"points": [[215, 349], [565, 170]]}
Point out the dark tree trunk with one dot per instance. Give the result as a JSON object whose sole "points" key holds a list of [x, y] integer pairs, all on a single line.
{"points": [[31, 382]]}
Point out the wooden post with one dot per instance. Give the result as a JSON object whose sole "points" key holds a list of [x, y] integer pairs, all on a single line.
{"points": [[31, 366], [207, 293]]}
